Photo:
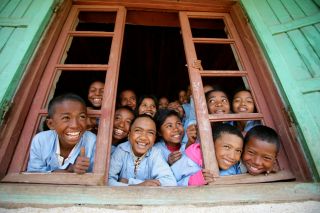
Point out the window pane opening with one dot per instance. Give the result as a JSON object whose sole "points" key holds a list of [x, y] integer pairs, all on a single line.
{"points": [[96, 21], [217, 56], [208, 28], [88, 50]]}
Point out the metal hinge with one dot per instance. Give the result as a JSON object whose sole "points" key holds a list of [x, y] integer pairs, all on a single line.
{"points": [[288, 115]]}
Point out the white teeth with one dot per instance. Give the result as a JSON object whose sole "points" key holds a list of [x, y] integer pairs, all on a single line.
{"points": [[219, 111], [97, 100], [118, 131], [242, 109], [142, 145], [73, 133]]}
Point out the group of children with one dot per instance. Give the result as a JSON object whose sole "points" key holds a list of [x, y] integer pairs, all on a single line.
{"points": [[153, 144]]}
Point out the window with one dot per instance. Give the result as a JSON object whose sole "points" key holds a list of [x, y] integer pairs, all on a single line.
{"points": [[209, 36]]}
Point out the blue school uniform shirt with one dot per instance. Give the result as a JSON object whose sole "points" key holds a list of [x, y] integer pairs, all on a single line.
{"points": [[164, 150], [43, 157], [152, 166], [184, 168]]}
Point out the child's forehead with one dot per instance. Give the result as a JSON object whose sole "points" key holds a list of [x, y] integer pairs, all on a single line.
{"points": [[217, 94], [68, 104], [260, 144], [243, 93], [144, 122]]}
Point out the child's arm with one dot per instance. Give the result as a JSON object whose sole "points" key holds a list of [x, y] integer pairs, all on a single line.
{"points": [[160, 169], [116, 162], [173, 157], [192, 134], [36, 162]]}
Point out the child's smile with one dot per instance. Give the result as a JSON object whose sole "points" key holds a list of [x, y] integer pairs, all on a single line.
{"points": [[172, 130], [69, 121], [142, 135]]}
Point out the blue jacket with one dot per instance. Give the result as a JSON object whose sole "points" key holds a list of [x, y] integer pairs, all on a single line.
{"points": [[153, 166], [43, 157]]}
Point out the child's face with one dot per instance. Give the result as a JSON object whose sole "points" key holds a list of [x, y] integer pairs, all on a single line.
{"points": [[176, 106], [163, 103], [243, 102], [95, 93], [69, 121], [128, 98], [121, 124], [172, 130], [183, 98], [259, 156], [218, 103], [228, 149], [148, 107], [142, 135]]}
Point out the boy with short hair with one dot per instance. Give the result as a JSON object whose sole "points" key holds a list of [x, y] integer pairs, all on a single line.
{"points": [[228, 144], [137, 162], [260, 151], [67, 146]]}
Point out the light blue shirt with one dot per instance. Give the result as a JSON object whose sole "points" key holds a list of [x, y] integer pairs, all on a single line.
{"points": [[152, 166], [184, 168], [43, 157]]}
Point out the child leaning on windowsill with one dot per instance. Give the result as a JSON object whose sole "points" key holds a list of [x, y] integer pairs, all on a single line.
{"points": [[137, 162], [67, 146], [228, 143]]}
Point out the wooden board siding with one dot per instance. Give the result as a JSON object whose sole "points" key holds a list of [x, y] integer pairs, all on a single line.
{"points": [[21, 25], [289, 32]]}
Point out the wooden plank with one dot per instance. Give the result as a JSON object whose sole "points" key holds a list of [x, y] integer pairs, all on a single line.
{"points": [[235, 117], [5, 34], [295, 24], [212, 41], [21, 8], [309, 85], [3, 5], [82, 67], [105, 130], [207, 148], [308, 7], [216, 6], [312, 35], [135, 198], [90, 179], [247, 178], [306, 52], [90, 34], [222, 73], [290, 55], [9, 8], [14, 22], [279, 10]]}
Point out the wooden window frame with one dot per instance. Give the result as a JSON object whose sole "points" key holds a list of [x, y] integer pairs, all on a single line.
{"points": [[44, 93], [232, 13]]}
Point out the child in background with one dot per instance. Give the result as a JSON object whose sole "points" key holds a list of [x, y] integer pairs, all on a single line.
{"points": [[183, 98], [260, 150], [95, 94], [171, 131], [58, 149], [121, 125], [228, 144], [128, 98], [137, 162], [217, 102], [148, 104], [243, 103], [163, 102]]}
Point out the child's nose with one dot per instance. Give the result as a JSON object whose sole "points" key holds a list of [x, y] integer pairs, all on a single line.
{"points": [[74, 122], [257, 160]]}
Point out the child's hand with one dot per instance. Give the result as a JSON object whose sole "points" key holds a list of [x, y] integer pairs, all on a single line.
{"points": [[82, 163], [124, 180], [208, 176], [192, 134], [173, 157], [149, 183]]}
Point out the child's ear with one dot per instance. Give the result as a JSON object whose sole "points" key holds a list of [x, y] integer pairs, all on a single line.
{"points": [[50, 123]]}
